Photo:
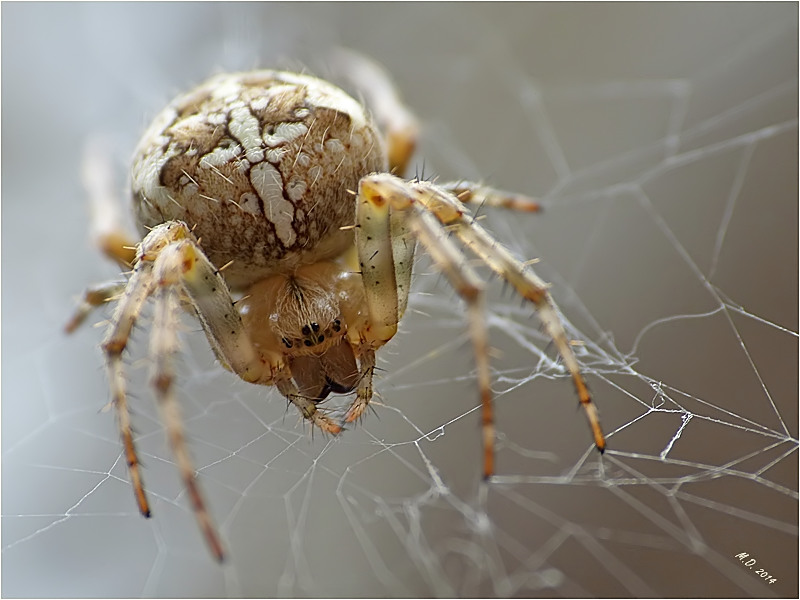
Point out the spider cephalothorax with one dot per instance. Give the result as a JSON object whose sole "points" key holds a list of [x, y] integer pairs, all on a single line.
{"points": [[275, 188], [305, 315]]}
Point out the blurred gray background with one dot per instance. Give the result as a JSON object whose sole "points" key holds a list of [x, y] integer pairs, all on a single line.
{"points": [[662, 139]]}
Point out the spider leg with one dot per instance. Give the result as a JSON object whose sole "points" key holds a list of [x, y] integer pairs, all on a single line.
{"points": [[214, 306], [306, 406], [386, 255], [469, 286], [94, 296], [385, 200], [429, 204], [164, 344], [525, 281], [381, 96], [107, 229], [480, 195], [225, 331], [385, 247], [116, 339], [169, 263], [364, 390]]}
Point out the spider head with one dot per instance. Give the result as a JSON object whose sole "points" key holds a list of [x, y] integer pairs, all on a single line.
{"points": [[313, 334], [305, 315], [302, 313]]}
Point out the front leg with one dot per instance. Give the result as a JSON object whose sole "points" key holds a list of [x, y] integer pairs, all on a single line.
{"points": [[479, 195], [386, 246], [306, 406], [218, 314], [384, 196], [231, 342], [94, 296], [107, 227], [366, 363]]}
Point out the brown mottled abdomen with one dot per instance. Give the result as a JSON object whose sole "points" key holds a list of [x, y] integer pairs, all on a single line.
{"points": [[260, 165]]}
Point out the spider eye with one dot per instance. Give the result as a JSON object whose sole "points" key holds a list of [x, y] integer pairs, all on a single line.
{"points": [[286, 342], [305, 330], [308, 342], [337, 325], [315, 327]]}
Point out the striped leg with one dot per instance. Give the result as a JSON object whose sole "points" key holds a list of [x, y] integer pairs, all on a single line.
{"points": [[431, 213], [382, 199], [529, 285]]}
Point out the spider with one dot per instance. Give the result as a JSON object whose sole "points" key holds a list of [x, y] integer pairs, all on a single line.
{"points": [[272, 208]]}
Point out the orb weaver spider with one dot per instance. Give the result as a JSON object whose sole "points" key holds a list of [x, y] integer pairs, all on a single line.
{"points": [[280, 186]]}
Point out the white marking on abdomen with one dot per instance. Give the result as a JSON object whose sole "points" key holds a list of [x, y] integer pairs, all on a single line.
{"points": [[268, 184], [285, 132], [244, 127]]}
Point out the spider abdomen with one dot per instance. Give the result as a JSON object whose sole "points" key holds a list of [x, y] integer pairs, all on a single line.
{"points": [[259, 165]]}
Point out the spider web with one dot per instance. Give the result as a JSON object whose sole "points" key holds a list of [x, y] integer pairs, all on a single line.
{"points": [[662, 140]]}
